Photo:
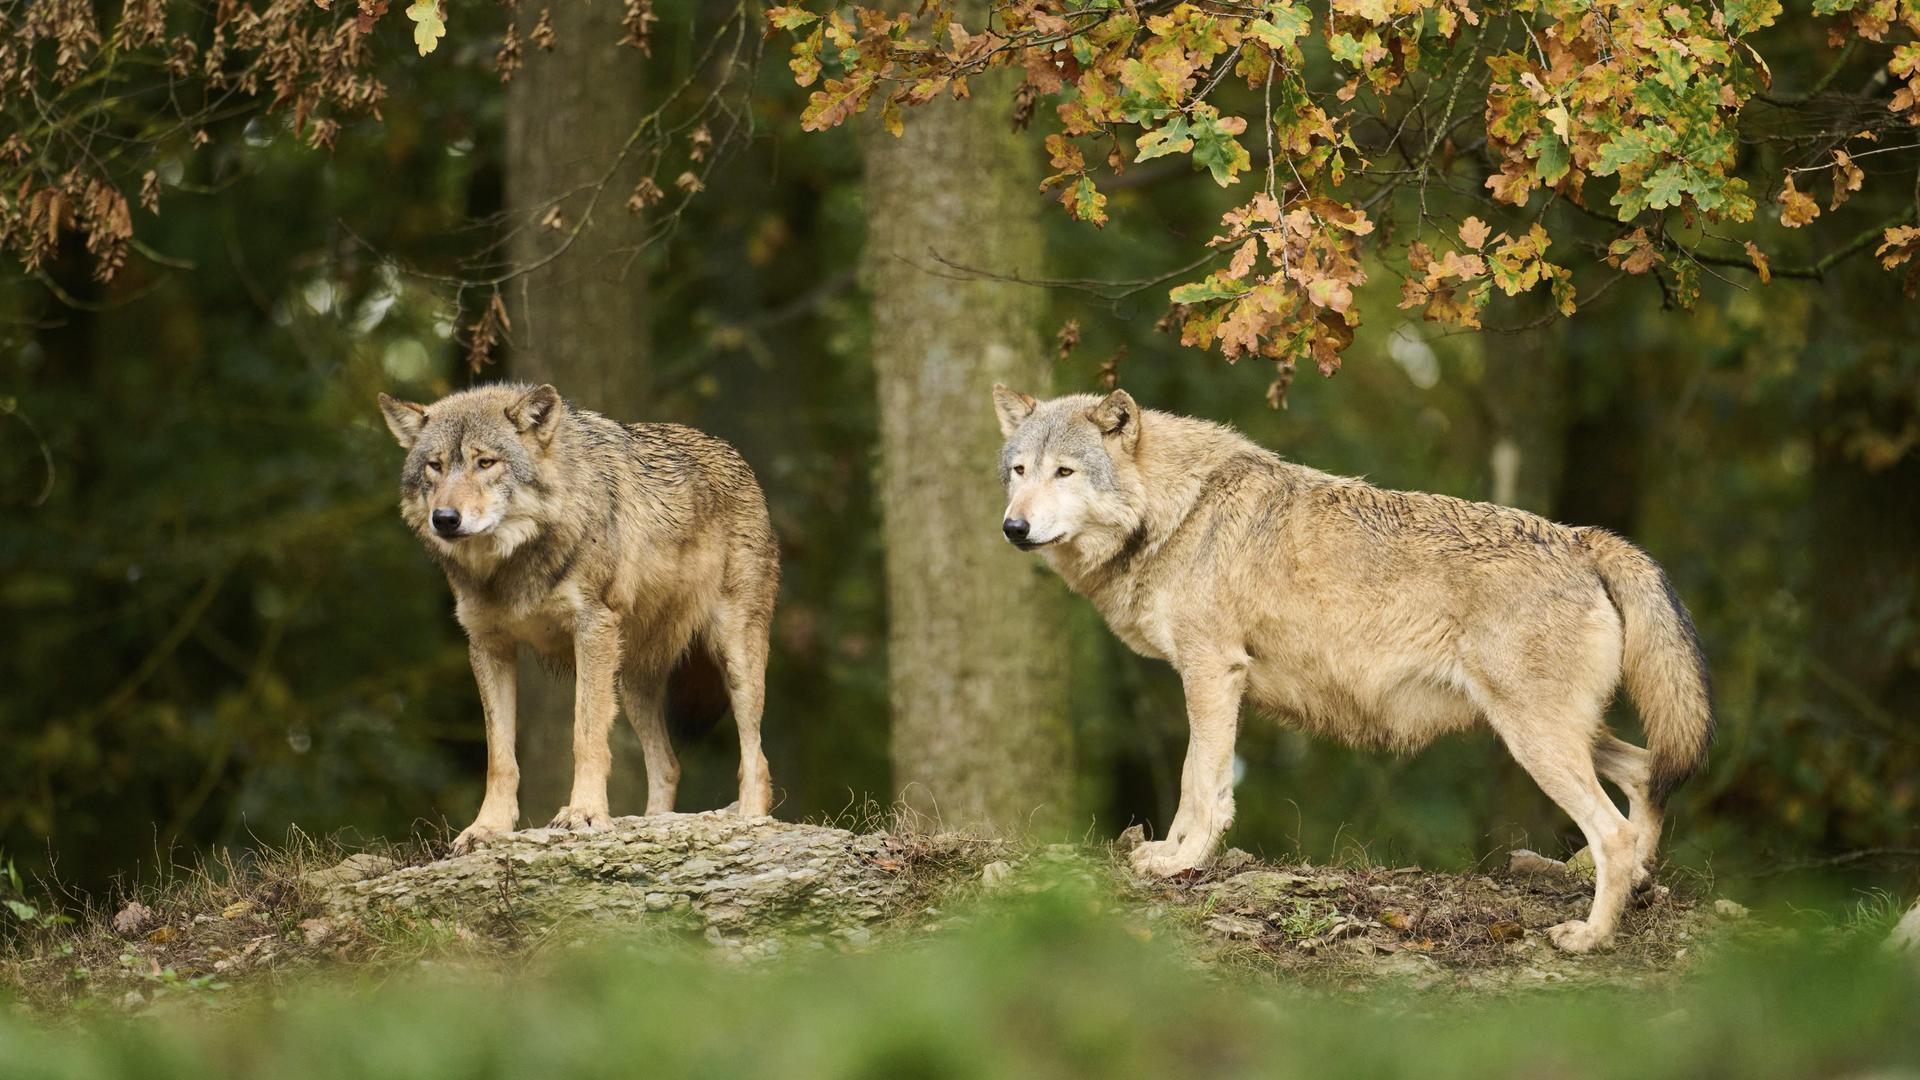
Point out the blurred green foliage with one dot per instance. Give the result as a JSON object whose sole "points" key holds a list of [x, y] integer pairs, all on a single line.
{"points": [[215, 625], [1041, 988]]}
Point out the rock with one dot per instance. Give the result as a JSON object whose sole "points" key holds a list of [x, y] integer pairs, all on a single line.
{"points": [[1233, 859], [733, 878], [1131, 837], [1236, 926], [358, 868], [1408, 964], [1581, 865], [1729, 910], [316, 930], [1524, 863], [134, 919], [996, 874]]}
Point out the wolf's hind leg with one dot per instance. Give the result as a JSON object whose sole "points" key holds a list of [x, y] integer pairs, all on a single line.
{"points": [[741, 644], [1214, 687], [1626, 765], [644, 695], [1554, 744]]}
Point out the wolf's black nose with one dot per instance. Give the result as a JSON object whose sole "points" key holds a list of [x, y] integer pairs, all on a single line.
{"points": [[1015, 528], [447, 522]]}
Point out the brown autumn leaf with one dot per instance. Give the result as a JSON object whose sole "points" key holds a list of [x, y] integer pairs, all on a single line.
{"points": [[1797, 208], [645, 194], [1243, 260], [1897, 245], [1760, 264], [1474, 233], [1634, 253], [542, 32], [1847, 178], [1068, 339]]}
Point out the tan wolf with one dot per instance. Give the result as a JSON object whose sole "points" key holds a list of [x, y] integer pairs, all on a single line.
{"points": [[611, 549], [1380, 617]]}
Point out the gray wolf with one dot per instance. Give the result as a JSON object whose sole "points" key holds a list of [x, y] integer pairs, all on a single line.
{"points": [[1384, 618], [611, 549]]}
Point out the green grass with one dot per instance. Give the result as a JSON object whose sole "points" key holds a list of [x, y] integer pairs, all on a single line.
{"points": [[1053, 985]]}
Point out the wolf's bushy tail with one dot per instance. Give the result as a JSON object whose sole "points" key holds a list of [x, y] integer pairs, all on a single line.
{"points": [[1666, 673]]}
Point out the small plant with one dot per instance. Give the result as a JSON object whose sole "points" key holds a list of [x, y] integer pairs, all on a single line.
{"points": [[1306, 920], [1874, 914], [20, 910]]}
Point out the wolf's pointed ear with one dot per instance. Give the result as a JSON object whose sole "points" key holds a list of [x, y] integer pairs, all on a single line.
{"points": [[404, 419], [1118, 417], [538, 412], [1013, 407]]}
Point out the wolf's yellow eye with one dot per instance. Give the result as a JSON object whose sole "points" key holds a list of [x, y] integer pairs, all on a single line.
{"points": [[433, 466], [1063, 472], [487, 462], [1019, 470]]}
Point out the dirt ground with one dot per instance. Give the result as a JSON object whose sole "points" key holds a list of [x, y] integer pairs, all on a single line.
{"points": [[759, 888]]}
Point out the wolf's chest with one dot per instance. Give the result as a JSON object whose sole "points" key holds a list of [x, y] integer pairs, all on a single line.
{"points": [[1138, 624], [543, 622]]}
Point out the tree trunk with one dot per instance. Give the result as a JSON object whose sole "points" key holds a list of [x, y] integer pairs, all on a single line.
{"points": [[579, 321], [976, 644]]}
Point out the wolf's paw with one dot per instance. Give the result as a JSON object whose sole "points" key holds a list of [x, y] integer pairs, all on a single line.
{"points": [[477, 835], [1162, 858], [580, 819], [1578, 936]]}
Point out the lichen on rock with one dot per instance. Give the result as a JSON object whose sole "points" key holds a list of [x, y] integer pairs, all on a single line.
{"points": [[730, 876]]}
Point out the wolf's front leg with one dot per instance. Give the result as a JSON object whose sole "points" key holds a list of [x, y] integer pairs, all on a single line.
{"points": [[596, 665], [493, 670], [1214, 686]]}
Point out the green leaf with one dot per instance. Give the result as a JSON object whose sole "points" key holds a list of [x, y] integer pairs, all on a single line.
{"points": [[1175, 138], [1666, 187], [1746, 16], [1085, 201], [1347, 49], [1285, 23], [1551, 158], [1214, 146], [1215, 287], [791, 18], [1630, 147]]}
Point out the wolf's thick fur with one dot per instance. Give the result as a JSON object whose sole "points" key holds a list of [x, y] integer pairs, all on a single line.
{"points": [[612, 549], [1383, 618]]}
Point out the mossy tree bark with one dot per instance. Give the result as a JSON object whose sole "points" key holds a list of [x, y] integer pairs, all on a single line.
{"points": [[580, 320], [976, 643]]}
